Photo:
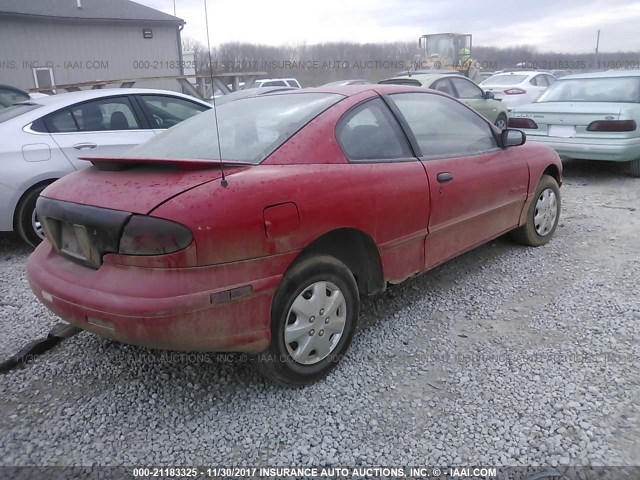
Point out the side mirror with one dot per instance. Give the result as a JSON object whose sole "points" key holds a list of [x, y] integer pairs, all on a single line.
{"points": [[488, 95], [512, 138]]}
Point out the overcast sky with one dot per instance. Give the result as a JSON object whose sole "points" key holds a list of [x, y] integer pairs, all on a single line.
{"points": [[550, 25]]}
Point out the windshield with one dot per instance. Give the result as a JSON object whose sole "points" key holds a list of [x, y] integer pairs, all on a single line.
{"points": [[16, 110], [613, 89], [505, 80], [250, 129]]}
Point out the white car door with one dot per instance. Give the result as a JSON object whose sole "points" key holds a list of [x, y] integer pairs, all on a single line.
{"points": [[105, 126]]}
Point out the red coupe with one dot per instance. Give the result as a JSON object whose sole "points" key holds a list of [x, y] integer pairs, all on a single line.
{"points": [[258, 231]]}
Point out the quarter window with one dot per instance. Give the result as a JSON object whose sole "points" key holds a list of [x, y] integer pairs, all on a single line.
{"points": [[371, 132], [61, 122], [443, 127]]}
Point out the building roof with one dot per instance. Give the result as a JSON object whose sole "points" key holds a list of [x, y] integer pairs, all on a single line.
{"points": [[100, 11]]}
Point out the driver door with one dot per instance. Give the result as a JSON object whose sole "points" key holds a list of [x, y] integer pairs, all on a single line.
{"points": [[477, 189], [472, 95]]}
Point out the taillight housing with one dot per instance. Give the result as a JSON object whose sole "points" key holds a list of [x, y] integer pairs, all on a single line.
{"points": [[612, 126], [517, 122], [515, 91], [144, 235]]}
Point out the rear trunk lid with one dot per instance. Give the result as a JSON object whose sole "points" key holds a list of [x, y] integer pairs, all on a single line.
{"points": [[568, 119], [85, 213], [135, 185]]}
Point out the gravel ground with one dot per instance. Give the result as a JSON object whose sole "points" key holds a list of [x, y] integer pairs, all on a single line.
{"points": [[505, 356]]}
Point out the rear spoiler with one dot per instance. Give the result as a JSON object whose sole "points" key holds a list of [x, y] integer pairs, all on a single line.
{"points": [[123, 163]]}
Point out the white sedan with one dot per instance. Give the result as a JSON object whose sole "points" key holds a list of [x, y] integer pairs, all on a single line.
{"points": [[43, 139], [519, 87]]}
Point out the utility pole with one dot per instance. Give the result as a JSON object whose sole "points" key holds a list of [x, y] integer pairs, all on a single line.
{"points": [[597, 47], [174, 10]]}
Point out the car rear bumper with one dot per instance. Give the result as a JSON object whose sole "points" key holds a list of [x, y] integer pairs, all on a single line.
{"points": [[597, 149], [185, 309]]}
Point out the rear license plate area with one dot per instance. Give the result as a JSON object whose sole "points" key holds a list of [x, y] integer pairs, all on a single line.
{"points": [[74, 241], [562, 131]]}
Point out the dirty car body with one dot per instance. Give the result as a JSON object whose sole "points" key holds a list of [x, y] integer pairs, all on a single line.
{"points": [[329, 194]]}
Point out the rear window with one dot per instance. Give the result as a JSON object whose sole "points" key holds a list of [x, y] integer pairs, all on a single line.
{"points": [[250, 128], [402, 81], [612, 89], [505, 79], [9, 96], [16, 110]]}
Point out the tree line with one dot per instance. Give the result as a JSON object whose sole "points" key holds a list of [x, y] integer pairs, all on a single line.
{"points": [[326, 62]]}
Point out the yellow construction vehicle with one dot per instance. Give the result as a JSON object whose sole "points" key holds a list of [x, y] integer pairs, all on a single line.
{"points": [[445, 51]]}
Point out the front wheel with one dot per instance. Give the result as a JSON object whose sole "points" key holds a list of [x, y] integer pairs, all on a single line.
{"points": [[27, 223], [313, 319], [501, 122], [542, 216]]}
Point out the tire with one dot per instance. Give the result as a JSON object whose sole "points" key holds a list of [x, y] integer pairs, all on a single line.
{"points": [[501, 122], [542, 216], [635, 167], [301, 352], [26, 221]]}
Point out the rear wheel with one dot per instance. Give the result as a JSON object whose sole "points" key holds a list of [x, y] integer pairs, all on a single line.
{"points": [[501, 122], [27, 223], [313, 318], [542, 216], [635, 168]]}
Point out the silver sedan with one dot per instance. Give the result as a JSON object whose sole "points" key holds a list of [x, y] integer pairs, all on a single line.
{"points": [[42, 140]]}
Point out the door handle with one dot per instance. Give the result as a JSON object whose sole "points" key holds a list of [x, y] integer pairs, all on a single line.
{"points": [[444, 177], [84, 146]]}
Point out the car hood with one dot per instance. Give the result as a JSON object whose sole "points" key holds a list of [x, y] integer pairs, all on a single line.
{"points": [[137, 190]]}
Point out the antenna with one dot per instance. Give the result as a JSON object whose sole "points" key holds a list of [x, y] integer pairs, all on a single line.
{"points": [[223, 182]]}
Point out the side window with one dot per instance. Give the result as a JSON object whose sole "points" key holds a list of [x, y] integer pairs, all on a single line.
{"points": [[275, 83], [294, 83], [169, 111], [443, 127], [466, 88], [60, 122], [371, 132], [444, 85], [550, 79], [541, 81], [104, 115]]}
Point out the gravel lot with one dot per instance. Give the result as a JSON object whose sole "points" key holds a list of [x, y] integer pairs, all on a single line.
{"points": [[504, 356]]}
